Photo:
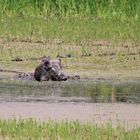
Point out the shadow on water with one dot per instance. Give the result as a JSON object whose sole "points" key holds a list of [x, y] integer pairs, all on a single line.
{"points": [[70, 91]]}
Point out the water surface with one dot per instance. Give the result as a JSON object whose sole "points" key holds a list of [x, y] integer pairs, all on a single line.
{"points": [[93, 91]]}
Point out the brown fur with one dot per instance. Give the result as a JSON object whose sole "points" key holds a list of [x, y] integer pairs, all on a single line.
{"points": [[54, 73], [42, 71]]}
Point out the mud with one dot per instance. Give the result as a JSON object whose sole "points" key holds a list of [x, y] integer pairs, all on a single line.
{"points": [[100, 113]]}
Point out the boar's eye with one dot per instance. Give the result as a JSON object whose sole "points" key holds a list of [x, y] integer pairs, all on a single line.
{"points": [[47, 63]]}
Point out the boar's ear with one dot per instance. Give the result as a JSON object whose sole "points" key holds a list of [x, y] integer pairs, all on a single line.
{"points": [[59, 59], [60, 63]]}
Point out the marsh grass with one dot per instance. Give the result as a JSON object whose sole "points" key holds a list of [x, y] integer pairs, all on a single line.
{"points": [[32, 129]]}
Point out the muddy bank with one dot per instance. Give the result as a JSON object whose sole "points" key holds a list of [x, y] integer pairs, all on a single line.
{"points": [[100, 113], [97, 59]]}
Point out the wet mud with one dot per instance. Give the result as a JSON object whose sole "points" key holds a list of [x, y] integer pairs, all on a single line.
{"points": [[99, 113]]}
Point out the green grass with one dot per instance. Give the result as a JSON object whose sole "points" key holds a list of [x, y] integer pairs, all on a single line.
{"points": [[98, 8], [70, 20], [72, 30], [31, 129]]}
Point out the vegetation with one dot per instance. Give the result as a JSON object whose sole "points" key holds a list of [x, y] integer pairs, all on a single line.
{"points": [[73, 30], [70, 20], [31, 129], [97, 8]]}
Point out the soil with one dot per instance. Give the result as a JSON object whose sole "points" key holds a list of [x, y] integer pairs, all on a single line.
{"points": [[99, 113]]}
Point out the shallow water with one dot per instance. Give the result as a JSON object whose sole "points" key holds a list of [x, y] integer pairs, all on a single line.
{"points": [[93, 91]]}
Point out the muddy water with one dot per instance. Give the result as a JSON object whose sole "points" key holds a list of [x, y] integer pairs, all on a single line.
{"points": [[93, 91], [96, 101]]}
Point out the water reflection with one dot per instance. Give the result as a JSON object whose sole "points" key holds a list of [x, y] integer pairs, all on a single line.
{"points": [[70, 91]]}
